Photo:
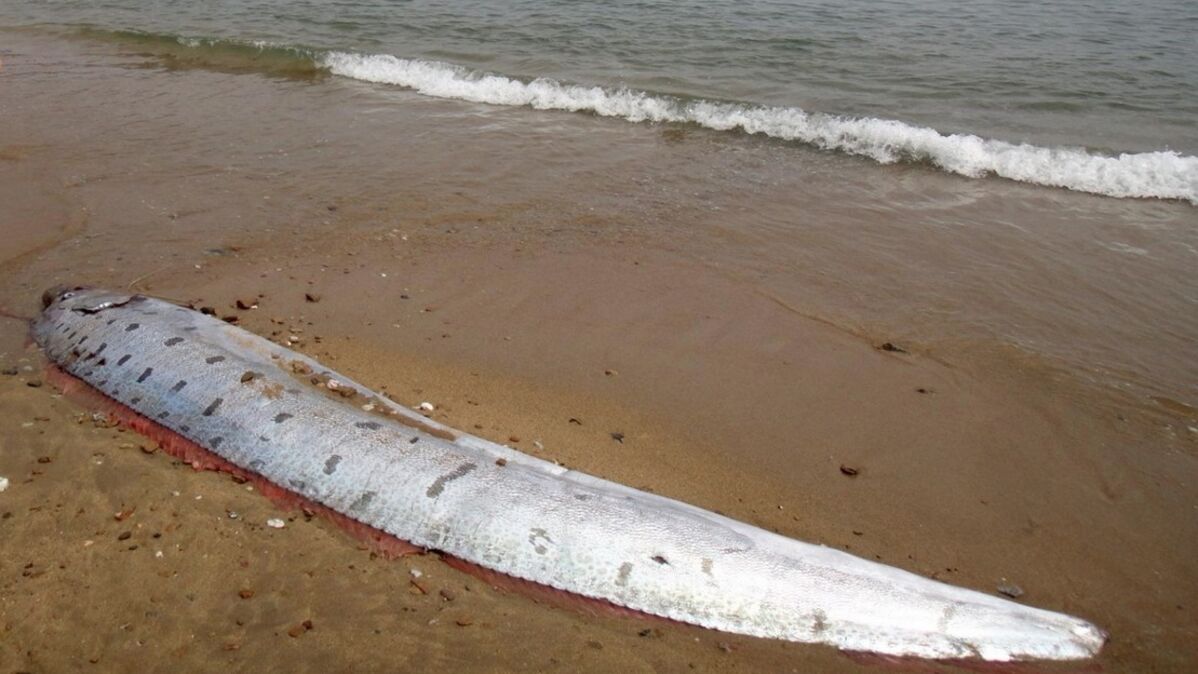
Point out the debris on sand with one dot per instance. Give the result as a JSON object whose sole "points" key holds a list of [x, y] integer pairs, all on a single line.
{"points": [[891, 347], [312, 297], [275, 523], [3, 483], [1009, 589], [848, 470]]}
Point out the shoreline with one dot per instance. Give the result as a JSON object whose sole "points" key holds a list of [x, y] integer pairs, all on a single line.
{"points": [[724, 398]]}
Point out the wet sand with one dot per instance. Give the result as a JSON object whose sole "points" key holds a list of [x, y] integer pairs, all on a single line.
{"points": [[725, 395]]}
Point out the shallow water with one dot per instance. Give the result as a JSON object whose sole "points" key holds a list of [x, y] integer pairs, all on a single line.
{"points": [[1077, 94], [970, 270]]}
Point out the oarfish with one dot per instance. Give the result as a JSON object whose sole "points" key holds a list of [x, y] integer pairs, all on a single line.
{"points": [[282, 416]]}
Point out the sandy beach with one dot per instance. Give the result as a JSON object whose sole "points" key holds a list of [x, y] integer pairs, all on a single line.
{"points": [[568, 335]]}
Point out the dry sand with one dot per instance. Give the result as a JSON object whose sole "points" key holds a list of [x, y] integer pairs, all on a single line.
{"points": [[114, 558]]}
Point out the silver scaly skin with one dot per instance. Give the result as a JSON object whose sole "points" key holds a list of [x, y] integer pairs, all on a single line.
{"points": [[237, 395]]}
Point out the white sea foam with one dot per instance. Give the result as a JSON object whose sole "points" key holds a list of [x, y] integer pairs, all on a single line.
{"points": [[1164, 174]]}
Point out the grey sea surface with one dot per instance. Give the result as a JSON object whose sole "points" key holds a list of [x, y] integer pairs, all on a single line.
{"points": [[894, 168]]}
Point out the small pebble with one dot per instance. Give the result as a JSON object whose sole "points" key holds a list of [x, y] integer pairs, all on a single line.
{"points": [[245, 593], [9, 371], [275, 523], [427, 407], [3, 483], [849, 470], [312, 297], [34, 383]]}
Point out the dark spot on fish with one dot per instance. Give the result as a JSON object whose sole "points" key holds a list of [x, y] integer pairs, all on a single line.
{"points": [[163, 414], [111, 321], [297, 484], [178, 386], [98, 351], [660, 560], [256, 465], [248, 376], [414, 440], [213, 360], [211, 408], [83, 340], [537, 533], [438, 485], [185, 428], [707, 566], [582, 497], [102, 362], [622, 576], [282, 416], [330, 466], [131, 327], [263, 438], [819, 621], [215, 442], [363, 500], [173, 341], [371, 425], [190, 328], [145, 375], [124, 359], [134, 399]]}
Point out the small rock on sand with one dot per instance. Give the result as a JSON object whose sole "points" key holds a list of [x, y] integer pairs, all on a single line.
{"points": [[849, 470], [3, 483], [245, 593], [9, 371], [427, 407], [275, 523], [312, 297]]}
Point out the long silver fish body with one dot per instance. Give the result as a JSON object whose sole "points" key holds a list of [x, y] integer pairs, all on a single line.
{"points": [[238, 395]]}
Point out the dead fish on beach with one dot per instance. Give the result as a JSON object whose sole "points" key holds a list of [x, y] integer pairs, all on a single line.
{"points": [[244, 404]]}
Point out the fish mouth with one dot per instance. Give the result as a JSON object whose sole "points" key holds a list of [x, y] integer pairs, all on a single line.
{"points": [[57, 293]]}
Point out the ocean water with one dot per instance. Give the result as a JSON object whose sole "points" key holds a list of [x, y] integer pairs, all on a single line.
{"points": [[1008, 183], [1087, 95]]}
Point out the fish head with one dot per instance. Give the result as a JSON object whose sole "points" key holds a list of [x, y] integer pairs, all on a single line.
{"points": [[83, 298]]}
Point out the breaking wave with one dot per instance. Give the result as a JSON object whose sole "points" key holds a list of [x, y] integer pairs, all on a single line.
{"points": [[1163, 174]]}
